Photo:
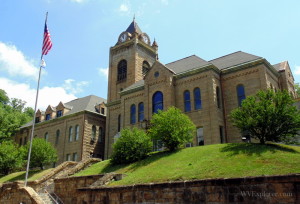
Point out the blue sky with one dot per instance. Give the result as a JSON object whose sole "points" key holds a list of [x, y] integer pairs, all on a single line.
{"points": [[82, 32]]}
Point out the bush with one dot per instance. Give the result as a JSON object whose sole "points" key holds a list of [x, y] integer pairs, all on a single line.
{"points": [[172, 127], [10, 157], [42, 153], [133, 145]]}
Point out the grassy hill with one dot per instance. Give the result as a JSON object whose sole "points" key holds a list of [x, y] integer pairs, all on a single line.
{"points": [[211, 161]]}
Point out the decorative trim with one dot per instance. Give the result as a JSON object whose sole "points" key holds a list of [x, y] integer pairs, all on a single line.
{"points": [[113, 103], [134, 96], [190, 80], [240, 74]]}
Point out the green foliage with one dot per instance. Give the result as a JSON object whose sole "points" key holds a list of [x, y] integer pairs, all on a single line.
{"points": [[297, 89], [268, 116], [13, 115], [10, 157], [172, 127], [133, 145], [42, 153]]}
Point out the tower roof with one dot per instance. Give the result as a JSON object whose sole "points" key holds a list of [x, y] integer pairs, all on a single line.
{"points": [[134, 28]]}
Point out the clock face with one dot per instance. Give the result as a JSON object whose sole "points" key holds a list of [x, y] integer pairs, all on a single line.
{"points": [[123, 37], [145, 38]]}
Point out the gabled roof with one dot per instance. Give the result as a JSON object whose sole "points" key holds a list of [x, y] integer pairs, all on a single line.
{"points": [[134, 28], [233, 59], [186, 64], [281, 66], [135, 85], [85, 103]]}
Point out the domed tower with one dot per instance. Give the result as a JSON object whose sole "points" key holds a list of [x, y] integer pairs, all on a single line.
{"points": [[129, 60]]}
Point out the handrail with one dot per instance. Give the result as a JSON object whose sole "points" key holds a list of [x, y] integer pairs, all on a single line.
{"points": [[52, 198]]}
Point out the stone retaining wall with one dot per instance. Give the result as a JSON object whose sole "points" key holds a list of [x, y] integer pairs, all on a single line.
{"points": [[263, 189]]}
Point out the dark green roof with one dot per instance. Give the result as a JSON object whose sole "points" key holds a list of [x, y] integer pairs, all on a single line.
{"points": [[133, 27]]}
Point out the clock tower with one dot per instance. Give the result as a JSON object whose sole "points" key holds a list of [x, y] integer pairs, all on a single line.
{"points": [[129, 60]]}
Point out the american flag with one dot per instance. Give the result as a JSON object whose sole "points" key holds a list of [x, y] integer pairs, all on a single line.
{"points": [[47, 44]]}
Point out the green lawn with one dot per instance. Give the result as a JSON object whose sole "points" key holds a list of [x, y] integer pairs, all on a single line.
{"points": [[20, 176], [211, 161]]}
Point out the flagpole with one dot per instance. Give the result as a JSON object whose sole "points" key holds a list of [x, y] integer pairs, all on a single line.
{"points": [[34, 117]]}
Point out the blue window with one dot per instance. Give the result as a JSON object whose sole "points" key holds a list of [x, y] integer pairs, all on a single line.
{"points": [[157, 102], [240, 94], [132, 114], [48, 117], [141, 112], [197, 99], [59, 113], [187, 101]]}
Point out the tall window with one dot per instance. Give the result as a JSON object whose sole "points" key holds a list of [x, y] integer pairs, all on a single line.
{"points": [[57, 137], [48, 117], [93, 132], [46, 136], [75, 156], [222, 140], [240, 94], [70, 134], [122, 70], [132, 114], [187, 101], [119, 123], [200, 137], [76, 132], [197, 99], [146, 67], [157, 102], [100, 135], [218, 97], [141, 112]]}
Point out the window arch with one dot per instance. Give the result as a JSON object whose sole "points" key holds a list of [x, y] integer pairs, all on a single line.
{"points": [[122, 70], [187, 101], [46, 136], [141, 112], [76, 132], [146, 67], [93, 132], [157, 102], [132, 114], [101, 133], [119, 123], [197, 99], [57, 136], [218, 97], [70, 134], [240, 94]]}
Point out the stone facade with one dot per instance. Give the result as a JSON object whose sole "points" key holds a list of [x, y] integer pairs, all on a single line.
{"points": [[218, 81], [77, 134]]}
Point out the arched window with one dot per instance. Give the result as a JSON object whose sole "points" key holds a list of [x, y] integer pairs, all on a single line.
{"points": [[46, 136], [141, 112], [187, 101], [197, 99], [100, 134], [240, 94], [157, 102], [76, 132], [132, 114], [70, 134], [93, 132], [119, 123], [218, 97], [57, 137], [146, 67], [122, 70]]}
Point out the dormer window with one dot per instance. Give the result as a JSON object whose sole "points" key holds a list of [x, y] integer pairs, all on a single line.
{"points": [[48, 117], [59, 113], [37, 119], [102, 111]]}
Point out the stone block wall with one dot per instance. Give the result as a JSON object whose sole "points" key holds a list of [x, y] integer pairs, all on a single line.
{"points": [[263, 189]]}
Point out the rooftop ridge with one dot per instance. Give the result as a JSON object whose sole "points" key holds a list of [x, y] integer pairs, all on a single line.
{"points": [[183, 59], [226, 55]]}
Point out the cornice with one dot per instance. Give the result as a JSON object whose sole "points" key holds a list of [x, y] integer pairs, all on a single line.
{"points": [[116, 102]]}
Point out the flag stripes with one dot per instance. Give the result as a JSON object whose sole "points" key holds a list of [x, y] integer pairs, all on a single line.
{"points": [[47, 44]]}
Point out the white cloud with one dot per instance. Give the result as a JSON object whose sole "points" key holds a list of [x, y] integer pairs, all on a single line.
{"points": [[15, 63], [47, 95], [124, 8], [74, 87], [297, 70], [103, 72]]}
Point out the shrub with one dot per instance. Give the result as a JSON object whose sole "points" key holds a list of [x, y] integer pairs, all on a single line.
{"points": [[133, 145], [10, 157]]}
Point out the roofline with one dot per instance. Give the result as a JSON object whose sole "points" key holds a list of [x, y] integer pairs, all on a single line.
{"points": [[197, 70]]}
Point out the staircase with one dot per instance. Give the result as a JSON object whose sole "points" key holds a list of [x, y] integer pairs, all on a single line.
{"points": [[46, 197]]}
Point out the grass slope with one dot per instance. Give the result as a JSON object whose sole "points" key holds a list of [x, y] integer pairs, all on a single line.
{"points": [[20, 176], [211, 161]]}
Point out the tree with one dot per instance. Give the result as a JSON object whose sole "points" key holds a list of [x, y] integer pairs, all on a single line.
{"points": [[10, 157], [133, 145], [172, 127], [268, 116], [297, 89], [42, 153]]}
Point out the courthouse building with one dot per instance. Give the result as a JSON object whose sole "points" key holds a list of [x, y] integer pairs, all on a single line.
{"points": [[76, 129], [207, 91]]}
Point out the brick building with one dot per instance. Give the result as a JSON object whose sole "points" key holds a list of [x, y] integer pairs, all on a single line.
{"points": [[76, 128], [206, 91]]}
